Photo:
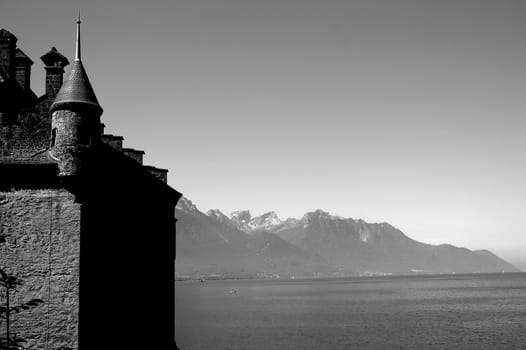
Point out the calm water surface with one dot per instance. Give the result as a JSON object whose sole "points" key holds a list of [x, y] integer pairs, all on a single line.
{"points": [[433, 312]]}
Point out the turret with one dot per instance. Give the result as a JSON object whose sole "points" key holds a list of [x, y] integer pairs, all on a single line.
{"points": [[75, 118]]}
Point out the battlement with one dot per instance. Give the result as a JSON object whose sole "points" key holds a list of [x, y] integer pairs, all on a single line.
{"points": [[161, 174], [116, 142], [25, 120], [133, 153], [113, 141]]}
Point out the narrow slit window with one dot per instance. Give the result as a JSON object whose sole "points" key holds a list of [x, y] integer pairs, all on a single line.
{"points": [[53, 136]]}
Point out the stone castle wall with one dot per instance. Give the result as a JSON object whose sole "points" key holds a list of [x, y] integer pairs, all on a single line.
{"points": [[31, 134], [43, 249], [126, 221]]}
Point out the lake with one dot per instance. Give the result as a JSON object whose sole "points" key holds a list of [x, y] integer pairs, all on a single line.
{"points": [[480, 311]]}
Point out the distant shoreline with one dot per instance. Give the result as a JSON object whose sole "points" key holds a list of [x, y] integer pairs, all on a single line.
{"points": [[356, 277]]}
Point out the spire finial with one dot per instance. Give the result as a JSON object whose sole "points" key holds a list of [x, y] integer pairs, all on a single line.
{"points": [[77, 51]]}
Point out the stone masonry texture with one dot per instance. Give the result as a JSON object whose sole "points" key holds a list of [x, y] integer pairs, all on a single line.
{"points": [[27, 137], [42, 248]]}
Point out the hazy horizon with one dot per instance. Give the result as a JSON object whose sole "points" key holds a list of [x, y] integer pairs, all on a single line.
{"points": [[410, 112]]}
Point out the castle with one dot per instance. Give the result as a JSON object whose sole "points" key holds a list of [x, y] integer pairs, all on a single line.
{"points": [[87, 227]]}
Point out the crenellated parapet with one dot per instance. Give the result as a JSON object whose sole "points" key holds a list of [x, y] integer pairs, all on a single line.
{"points": [[134, 154], [116, 142], [161, 174], [28, 127], [113, 141]]}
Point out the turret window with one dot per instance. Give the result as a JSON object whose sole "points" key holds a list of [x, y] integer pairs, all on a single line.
{"points": [[53, 136]]}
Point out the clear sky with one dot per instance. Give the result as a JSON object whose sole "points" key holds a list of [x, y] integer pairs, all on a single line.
{"points": [[406, 111]]}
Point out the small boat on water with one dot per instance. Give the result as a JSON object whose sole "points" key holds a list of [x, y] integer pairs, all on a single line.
{"points": [[232, 291]]}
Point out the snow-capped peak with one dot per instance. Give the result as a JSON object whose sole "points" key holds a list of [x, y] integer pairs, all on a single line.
{"points": [[265, 221], [241, 216], [217, 214]]}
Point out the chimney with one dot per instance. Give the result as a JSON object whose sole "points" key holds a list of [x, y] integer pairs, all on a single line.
{"points": [[7, 52], [54, 66], [23, 69]]}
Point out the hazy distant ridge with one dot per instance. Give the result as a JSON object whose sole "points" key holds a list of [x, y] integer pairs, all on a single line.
{"points": [[316, 244]]}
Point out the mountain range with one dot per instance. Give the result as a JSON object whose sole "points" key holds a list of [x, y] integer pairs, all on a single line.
{"points": [[318, 244]]}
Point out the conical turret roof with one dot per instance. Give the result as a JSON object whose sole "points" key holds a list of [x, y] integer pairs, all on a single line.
{"points": [[76, 89]]}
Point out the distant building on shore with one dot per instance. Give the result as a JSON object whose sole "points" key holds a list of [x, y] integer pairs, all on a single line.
{"points": [[86, 226]]}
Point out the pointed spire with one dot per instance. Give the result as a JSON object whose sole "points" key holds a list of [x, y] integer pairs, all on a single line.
{"points": [[76, 89], [77, 50]]}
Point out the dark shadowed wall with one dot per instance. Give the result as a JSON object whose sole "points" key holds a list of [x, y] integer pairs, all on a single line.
{"points": [[127, 257]]}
